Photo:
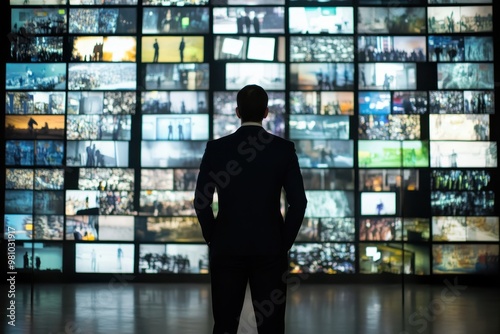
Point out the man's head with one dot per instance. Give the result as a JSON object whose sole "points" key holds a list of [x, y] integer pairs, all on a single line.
{"points": [[252, 104]]}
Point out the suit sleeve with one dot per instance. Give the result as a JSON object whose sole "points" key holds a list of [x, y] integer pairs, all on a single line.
{"points": [[296, 199], [203, 196]]}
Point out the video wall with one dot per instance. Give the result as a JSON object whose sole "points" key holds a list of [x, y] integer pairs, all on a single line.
{"points": [[391, 106]]}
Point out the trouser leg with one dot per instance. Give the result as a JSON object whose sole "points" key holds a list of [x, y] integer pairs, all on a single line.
{"points": [[269, 290], [229, 279]]}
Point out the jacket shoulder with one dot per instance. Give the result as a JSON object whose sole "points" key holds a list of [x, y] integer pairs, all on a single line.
{"points": [[221, 141]]}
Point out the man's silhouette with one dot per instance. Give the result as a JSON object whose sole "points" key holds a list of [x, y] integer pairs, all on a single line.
{"points": [[31, 126], [170, 132], [156, 46], [182, 46], [26, 261], [438, 50], [249, 239], [181, 133]]}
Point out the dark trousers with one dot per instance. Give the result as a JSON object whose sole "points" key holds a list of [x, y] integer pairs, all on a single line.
{"points": [[267, 277]]}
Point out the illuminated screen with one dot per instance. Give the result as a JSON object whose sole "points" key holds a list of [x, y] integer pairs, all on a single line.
{"points": [[248, 20], [409, 102], [271, 75], [389, 127], [100, 228], [322, 76], [37, 227], [387, 20], [175, 20], [315, 258], [98, 76], [100, 48], [386, 153], [190, 49], [173, 259], [104, 258], [321, 20], [474, 258], [321, 49], [463, 154], [465, 76], [185, 76], [389, 179], [456, 228], [455, 19], [174, 102], [326, 229], [387, 257], [175, 127], [328, 179], [374, 102], [322, 103], [325, 153], [329, 203], [261, 48], [40, 256], [169, 229], [387, 76], [379, 229], [319, 127], [102, 20], [392, 48], [35, 76], [378, 203]]}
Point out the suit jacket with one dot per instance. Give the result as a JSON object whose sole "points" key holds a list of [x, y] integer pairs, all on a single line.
{"points": [[249, 169]]}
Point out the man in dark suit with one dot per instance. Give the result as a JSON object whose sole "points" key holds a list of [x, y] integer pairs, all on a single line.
{"points": [[249, 239]]}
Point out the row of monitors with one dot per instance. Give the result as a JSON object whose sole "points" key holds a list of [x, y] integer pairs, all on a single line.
{"points": [[311, 153], [254, 20], [193, 127], [181, 180], [187, 229], [322, 203], [186, 103], [272, 76], [311, 49], [316, 258], [234, 2]]}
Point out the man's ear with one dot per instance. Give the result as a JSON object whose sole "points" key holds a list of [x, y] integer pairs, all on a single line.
{"points": [[238, 113], [266, 112]]}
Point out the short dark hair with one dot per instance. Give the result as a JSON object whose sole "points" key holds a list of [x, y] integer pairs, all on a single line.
{"points": [[252, 103]]}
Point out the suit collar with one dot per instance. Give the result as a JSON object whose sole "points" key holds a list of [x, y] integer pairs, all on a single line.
{"points": [[251, 124]]}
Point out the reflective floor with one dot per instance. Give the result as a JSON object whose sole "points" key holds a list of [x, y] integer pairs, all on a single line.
{"points": [[143, 308]]}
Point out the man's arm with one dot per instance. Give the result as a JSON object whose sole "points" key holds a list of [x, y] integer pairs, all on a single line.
{"points": [[203, 197], [296, 199]]}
